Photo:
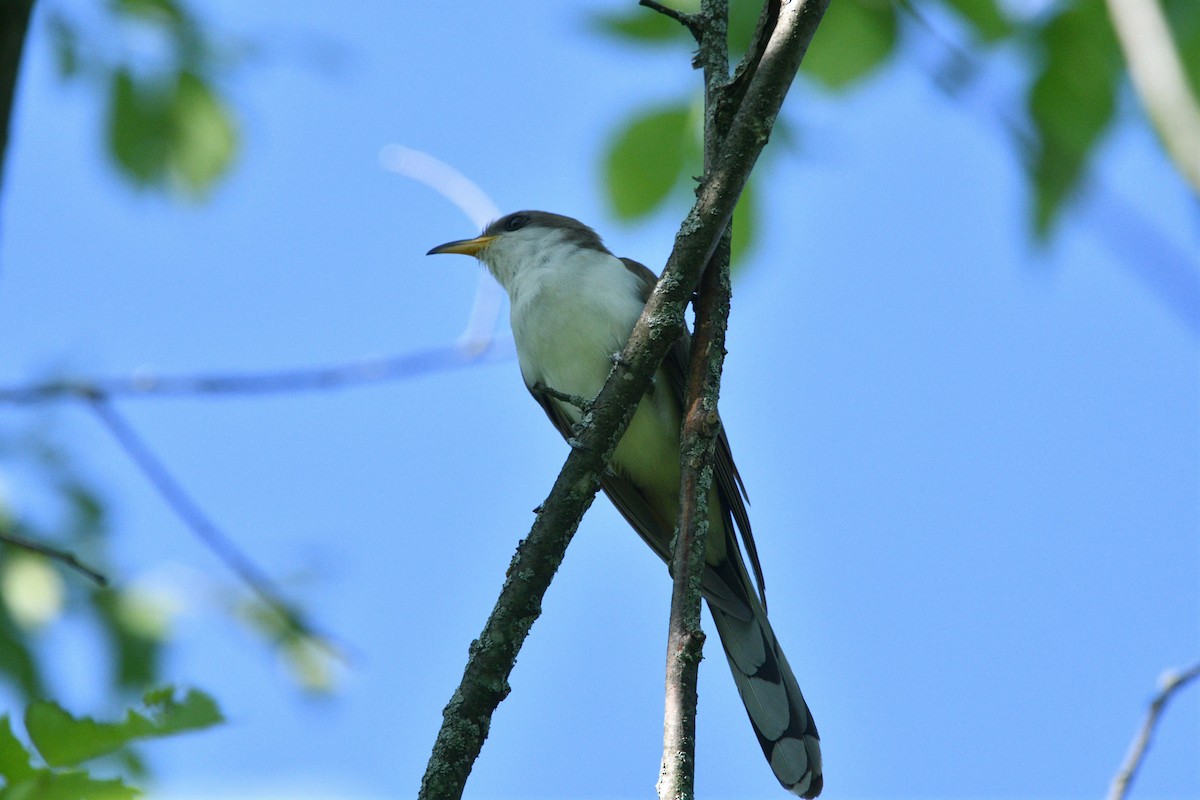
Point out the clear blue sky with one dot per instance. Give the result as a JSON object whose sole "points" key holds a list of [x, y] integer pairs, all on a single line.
{"points": [[974, 464]]}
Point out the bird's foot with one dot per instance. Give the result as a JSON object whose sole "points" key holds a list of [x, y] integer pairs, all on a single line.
{"points": [[583, 405]]}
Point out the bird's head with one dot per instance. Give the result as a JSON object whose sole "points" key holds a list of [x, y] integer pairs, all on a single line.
{"points": [[525, 240]]}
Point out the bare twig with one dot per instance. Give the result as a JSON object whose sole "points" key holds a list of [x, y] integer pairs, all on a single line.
{"points": [[467, 717], [322, 378], [1141, 742], [690, 21], [64, 557], [197, 521]]}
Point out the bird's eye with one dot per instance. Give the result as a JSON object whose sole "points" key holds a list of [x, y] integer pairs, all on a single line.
{"points": [[516, 222]]}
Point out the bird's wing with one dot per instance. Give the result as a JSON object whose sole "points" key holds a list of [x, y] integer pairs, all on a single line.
{"points": [[723, 583], [729, 483]]}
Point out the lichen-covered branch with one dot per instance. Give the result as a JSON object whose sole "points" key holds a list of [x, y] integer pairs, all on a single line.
{"points": [[467, 717], [685, 638], [701, 424]]}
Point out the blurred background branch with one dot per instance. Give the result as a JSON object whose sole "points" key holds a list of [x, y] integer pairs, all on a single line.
{"points": [[1160, 79], [360, 372], [1172, 684], [53, 553]]}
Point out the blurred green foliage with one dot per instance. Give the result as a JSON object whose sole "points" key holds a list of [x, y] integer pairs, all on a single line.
{"points": [[36, 591], [855, 39], [1071, 102], [657, 151], [1071, 65], [167, 127], [65, 743], [56, 505]]}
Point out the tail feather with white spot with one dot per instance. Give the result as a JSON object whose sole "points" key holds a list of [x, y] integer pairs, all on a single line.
{"points": [[773, 700]]}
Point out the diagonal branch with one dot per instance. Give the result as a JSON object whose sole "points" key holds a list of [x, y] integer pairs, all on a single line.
{"points": [[199, 522], [64, 557], [320, 378], [484, 685], [1141, 743]]}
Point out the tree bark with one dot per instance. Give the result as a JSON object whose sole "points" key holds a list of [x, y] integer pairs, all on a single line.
{"points": [[484, 685]]}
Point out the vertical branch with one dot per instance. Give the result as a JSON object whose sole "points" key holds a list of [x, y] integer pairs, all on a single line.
{"points": [[685, 639], [701, 424], [467, 717]]}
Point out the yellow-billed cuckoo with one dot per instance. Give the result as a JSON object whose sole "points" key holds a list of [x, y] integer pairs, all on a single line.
{"points": [[573, 306]]}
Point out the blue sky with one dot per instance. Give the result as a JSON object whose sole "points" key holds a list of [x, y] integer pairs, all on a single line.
{"points": [[974, 464]]}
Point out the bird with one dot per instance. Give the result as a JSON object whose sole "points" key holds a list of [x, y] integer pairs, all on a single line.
{"points": [[572, 307]]}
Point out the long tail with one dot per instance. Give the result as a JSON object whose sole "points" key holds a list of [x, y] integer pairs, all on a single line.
{"points": [[773, 700]]}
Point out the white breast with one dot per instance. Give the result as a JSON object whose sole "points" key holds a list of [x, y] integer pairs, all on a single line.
{"points": [[572, 311], [570, 314]]}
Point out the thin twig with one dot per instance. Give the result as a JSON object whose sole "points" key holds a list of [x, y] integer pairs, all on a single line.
{"points": [[1141, 742], [64, 557], [196, 520], [484, 685], [690, 21], [332, 376]]}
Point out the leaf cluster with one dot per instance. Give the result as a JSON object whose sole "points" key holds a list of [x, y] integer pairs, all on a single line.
{"points": [[35, 591], [167, 127], [65, 743], [1071, 65]]}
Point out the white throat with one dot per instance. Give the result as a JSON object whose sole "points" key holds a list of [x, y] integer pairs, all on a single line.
{"points": [[572, 308]]}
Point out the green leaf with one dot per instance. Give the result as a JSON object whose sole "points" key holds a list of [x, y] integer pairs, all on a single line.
{"points": [[1071, 103], [176, 130], [985, 16], [136, 648], [84, 506], [648, 158], [65, 41], [745, 226], [67, 785], [854, 39], [15, 763], [139, 129], [205, 138], [153, 10], [16, 659], [64, 740], [743, 17], [643, 25], [1184, 18]]}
